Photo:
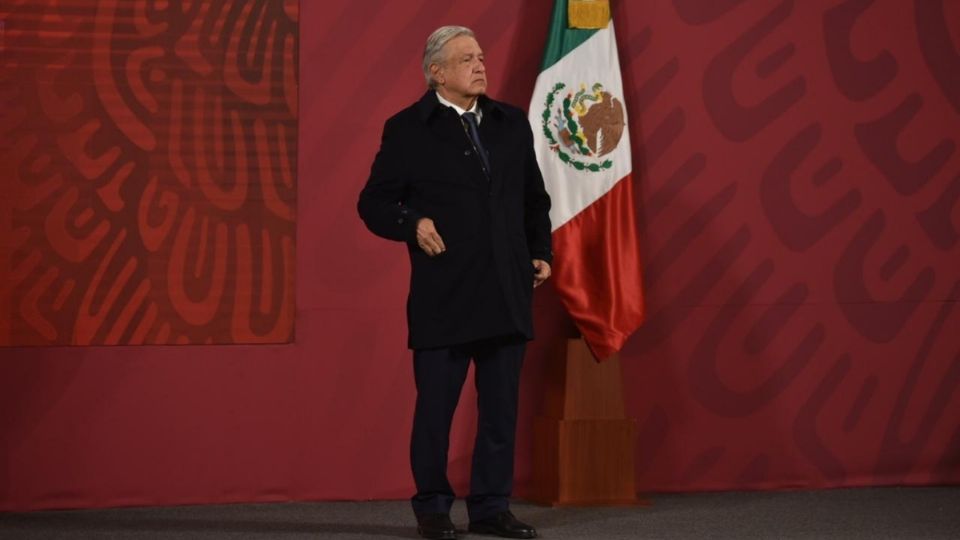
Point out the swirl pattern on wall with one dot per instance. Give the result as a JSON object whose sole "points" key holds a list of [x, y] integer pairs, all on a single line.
{"points": [[150, 152]]}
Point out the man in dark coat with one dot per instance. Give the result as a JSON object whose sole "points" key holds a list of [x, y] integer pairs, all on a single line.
{"points": [[456, 178]]}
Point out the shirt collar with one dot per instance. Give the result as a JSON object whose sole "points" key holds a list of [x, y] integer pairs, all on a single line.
{"points": [[460, 110], [428, 104]]}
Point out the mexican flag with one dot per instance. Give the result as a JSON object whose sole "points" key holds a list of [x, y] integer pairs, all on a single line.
{"points": [[579, 123]]}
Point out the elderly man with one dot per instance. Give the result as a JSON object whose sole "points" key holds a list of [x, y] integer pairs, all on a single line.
{"points": [[456, 178]]}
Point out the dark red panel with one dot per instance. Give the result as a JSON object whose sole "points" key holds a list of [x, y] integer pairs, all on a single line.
{"points": [[150, 157]]}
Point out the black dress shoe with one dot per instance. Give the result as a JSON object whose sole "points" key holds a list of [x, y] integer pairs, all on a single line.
{"points": [[503, 524], [436, 526]]}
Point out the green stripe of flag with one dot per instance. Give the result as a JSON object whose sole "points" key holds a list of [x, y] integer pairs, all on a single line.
{"points": [[561, 39]]}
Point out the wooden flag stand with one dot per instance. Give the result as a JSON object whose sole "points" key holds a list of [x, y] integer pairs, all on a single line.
{"points": [[583, 445]]}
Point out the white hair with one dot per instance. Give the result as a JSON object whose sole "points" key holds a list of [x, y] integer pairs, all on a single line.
{"points": [[435, 43]]}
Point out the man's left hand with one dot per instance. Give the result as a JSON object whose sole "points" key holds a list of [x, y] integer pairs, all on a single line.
{"points": [[541, 271]]}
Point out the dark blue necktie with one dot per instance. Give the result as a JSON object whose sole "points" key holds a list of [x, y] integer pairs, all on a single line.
{"points": [[470, 122]]}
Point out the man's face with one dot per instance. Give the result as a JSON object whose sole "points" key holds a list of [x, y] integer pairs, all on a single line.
{"points": [[462, 72]]}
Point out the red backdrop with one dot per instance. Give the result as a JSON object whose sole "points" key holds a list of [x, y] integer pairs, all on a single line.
{"points": [[798, 179], [151, 152]]}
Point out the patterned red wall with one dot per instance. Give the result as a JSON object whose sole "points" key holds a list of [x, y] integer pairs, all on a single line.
{"points": [[800, 193], [798, 177], [150, 154], [799, 189]]}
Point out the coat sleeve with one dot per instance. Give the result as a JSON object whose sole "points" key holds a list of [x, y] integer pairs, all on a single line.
{"points": [[381, 204], [536, 205]]}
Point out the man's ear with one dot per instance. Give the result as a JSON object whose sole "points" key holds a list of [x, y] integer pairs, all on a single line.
{"points": [[435, 71]]}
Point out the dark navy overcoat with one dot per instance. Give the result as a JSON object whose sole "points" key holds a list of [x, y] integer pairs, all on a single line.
{"points": [[492, 225]]}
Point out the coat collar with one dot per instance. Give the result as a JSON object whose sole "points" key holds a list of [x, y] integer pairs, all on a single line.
{"points": [[429, 105]]}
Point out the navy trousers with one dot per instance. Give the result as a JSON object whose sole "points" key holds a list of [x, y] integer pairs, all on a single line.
{"points": [[439, 375]]}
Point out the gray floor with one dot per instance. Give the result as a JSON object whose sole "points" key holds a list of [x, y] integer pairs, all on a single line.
{"points": [[850, 513]]}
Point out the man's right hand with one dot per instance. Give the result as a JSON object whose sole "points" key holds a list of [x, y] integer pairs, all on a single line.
{"points": [[428, 239]]}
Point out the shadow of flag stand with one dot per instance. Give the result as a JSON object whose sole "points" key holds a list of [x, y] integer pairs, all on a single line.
{"points": [[584, 444]]}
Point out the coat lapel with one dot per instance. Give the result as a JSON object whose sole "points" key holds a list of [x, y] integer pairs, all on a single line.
{"points": [[439, 120], [492, 135], [444, 124]]}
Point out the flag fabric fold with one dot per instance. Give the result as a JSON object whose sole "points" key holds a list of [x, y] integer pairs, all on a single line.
{"points": [[582, 142]]}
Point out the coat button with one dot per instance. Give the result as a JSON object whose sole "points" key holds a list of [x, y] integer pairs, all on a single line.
{"points": [[466, 152], [400, 221]]}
